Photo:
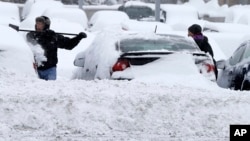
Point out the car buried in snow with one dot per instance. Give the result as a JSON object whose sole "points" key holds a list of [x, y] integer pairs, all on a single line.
{"points": [[16, 56], [126, 56], [98, 20], [138, 10], [235, 71]]}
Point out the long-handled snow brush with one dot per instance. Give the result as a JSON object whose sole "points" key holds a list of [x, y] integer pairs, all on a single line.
{"points": [[17, 29]]}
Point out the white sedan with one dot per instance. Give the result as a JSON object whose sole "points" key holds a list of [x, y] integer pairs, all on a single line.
{"points": [[140, 55]]}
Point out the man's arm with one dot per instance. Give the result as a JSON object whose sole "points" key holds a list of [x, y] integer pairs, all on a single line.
{"points": [[69, 43]]}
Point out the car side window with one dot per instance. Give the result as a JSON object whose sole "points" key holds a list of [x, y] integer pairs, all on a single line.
{"points": [[247, 51], [237, 56]]}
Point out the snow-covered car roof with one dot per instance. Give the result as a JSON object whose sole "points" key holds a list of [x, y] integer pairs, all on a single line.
{"points": [[139, 10], [99, 19], [34, 8], [75, 15], [138, 4], [9, 13]]}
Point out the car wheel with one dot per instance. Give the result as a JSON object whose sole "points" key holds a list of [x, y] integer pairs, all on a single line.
{"points": [[245, 85]]}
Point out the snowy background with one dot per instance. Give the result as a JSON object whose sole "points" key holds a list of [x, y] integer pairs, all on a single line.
{"points": [[186, 108]]}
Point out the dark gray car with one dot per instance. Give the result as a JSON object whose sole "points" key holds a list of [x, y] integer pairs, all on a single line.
{"points": [[235, 71]]}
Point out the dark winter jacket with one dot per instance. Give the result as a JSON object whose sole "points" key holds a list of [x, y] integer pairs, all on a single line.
{"points": [[50, 42], [202, 42]]}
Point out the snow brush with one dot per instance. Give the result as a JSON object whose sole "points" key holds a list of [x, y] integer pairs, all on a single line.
{"points": [[17, 29]]}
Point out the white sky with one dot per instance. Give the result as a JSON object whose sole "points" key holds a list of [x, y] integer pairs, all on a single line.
{"points": [[188, 108]]}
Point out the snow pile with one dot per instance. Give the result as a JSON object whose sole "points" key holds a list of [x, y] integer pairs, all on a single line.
{"points": [[33, 109], [38, 53]]}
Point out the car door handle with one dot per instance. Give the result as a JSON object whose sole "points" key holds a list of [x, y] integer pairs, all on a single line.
{"points": [[230, 72]]}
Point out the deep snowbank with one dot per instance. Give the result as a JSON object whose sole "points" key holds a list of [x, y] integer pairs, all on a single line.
{"points": [[36, 110]]}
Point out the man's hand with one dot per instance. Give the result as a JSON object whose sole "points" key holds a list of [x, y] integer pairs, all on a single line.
{"points": [[82, 35]]}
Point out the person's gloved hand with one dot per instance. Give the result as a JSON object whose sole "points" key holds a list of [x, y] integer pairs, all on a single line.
{"points": [[82, 35]]}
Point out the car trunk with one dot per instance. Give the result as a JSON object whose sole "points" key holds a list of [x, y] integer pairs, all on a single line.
{"points": [[142, 58], [131, 65]]}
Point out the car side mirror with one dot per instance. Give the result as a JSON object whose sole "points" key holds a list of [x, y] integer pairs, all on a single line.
{"points": [[221, 64], [162, 20], [79, 62]]}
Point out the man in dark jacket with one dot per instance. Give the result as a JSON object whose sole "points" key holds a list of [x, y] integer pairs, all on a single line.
{"points": [[195, 31], [50, 42]]}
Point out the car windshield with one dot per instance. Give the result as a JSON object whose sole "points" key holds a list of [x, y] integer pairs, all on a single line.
{"points": [[130, 45]]}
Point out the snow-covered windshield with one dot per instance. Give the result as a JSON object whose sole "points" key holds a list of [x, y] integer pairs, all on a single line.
{"points": [[163, 44], [138, 12]]}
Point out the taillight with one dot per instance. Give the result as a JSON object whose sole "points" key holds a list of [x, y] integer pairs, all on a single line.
{"points": [[208, 67], [121, 65]]}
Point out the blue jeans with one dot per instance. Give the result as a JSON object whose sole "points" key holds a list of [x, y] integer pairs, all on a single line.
{"points": [[48, 74]]}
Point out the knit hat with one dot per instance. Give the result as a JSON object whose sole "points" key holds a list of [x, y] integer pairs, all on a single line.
{"points": [[195, 29], [44, 20]]}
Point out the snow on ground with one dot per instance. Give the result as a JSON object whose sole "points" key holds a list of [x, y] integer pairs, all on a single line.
{"points": [[33, 109]]}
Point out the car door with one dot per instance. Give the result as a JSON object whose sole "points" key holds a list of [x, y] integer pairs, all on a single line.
{"points": [[232, 70], [244, 67]]}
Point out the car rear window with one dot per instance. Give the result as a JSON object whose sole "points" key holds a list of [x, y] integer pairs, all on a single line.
{"points": [[130, 45], [138, 12]]}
